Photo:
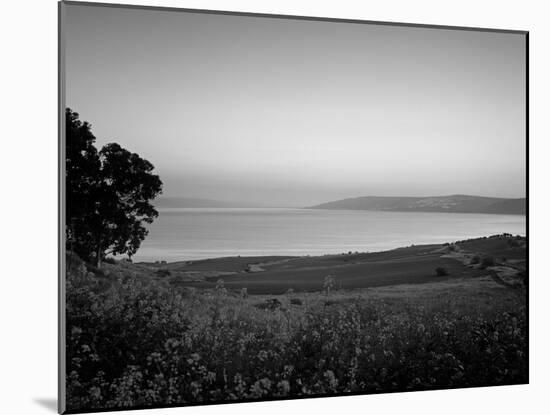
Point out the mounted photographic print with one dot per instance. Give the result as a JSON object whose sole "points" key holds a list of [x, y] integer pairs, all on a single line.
{"points": [[260, 207]]}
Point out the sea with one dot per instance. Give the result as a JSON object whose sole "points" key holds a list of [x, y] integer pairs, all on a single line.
{"points": [[181, 234]]}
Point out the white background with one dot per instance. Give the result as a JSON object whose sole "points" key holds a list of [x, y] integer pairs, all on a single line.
{"points": [[28, 149]]}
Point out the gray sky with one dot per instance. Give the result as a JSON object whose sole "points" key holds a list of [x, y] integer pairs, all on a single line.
{"points": [[294, 113]]}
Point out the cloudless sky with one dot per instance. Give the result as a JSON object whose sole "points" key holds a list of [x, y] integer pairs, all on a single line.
{"points": [[293, 113]]}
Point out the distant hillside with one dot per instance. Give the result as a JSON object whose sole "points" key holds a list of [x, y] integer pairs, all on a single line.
{"points": [[189, 202], [453, 204]]}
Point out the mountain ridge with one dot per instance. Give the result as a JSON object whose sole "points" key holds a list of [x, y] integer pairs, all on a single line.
{"points": [[452, 203]]}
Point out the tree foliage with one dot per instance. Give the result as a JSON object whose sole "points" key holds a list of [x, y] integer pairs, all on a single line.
{"points": [[108, 195]]}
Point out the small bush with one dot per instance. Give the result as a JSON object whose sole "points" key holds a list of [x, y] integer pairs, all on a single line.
{"points": [[163, 273], [271, 304], [512, 243], [475, 260], [98, 272], [487, 261], [295, 301], [441, 272], [220, 287], [328, 283]]}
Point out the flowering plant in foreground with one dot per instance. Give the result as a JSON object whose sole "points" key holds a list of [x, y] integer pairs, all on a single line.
{"points": [[133, 341]]}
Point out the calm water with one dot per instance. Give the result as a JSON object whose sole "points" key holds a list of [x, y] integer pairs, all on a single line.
{"points": [[181, 234]]}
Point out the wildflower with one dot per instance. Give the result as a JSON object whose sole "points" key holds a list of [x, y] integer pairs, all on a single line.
{"points": [[331, 379], [95, 392], [284, 387], [171, 344], [260, 387], [263, 355], [288, 369]]}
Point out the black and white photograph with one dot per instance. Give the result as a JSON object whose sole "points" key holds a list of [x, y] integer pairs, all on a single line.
{"points": [[263, 207]]}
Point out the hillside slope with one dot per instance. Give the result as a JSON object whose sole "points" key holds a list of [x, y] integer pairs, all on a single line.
{"points": [[451, 204]]}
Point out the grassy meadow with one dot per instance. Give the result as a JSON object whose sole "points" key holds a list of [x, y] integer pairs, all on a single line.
{"points": [[239, 329]]}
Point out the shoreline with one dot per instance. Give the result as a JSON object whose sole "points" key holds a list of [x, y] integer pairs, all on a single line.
{"points": [[160, 260], [275, 257], [276, 274]]}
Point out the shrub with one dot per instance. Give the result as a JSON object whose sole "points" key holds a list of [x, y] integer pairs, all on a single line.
{"points": [[295, 301], [475, 260], [512, 243], [163, 273], [271, 304], [328, 283], [99, 272], [487, 261], [220, 287], [441, 272]]}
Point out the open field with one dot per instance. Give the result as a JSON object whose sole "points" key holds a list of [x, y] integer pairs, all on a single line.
{"points": [[415, 264], [140, 337]]}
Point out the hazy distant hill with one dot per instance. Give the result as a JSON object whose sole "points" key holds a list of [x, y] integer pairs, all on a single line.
{"points": [[453, 204], [189, 202]]}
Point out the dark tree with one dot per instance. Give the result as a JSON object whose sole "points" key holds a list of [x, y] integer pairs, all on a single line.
{"points": [[82, 177], [108, 195]]}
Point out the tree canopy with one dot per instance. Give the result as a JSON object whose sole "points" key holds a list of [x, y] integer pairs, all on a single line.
{"points": [[108, 195]]}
